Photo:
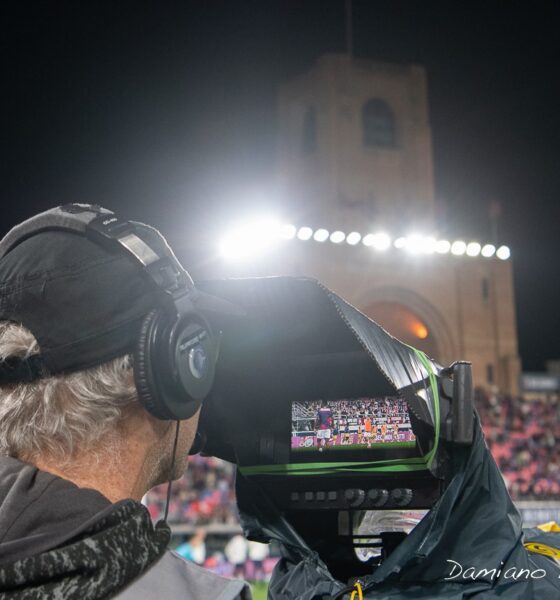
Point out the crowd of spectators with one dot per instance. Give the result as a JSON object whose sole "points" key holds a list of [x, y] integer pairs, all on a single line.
{"points": [[204, 495], [521, 435], [229, 557]]}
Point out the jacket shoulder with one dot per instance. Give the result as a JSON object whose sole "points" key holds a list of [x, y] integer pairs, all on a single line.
{"points": [[174, 578]]}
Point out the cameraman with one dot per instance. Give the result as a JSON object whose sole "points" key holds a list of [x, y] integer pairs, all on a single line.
{"points": [[78, 450]]}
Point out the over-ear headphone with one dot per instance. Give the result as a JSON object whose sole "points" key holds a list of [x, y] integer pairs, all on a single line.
{"points": [[176, 351]]}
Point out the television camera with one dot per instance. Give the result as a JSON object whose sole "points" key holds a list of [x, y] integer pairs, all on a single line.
{"points": [[328, 418]]}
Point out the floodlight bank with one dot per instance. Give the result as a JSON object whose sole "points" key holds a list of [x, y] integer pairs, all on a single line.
{"points": [[415, 244]]}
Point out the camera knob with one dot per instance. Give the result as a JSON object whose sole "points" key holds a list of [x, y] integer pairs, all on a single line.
{"points": [[402, 496], [378, 497], [354, 497]]}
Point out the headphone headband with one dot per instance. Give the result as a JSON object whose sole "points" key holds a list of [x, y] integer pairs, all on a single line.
{"points": [[105, 228]]}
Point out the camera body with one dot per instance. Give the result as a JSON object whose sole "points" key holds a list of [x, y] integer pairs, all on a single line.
{"points": [[327, 416]]}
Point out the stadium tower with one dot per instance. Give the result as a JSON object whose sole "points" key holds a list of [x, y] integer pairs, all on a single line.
{"points": [[355, 155]]}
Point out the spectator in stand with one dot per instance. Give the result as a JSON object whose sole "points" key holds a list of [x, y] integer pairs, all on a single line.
{"points": [[258, 553], [236, 553], [195, 548]]}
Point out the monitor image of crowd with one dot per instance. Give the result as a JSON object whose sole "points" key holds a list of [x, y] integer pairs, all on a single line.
{"points": [[351, 424]]}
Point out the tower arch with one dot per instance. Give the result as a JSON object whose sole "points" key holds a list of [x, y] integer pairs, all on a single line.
{"points": [[412, 318]]}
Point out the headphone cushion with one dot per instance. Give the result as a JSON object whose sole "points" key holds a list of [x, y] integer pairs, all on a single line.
{"points": [[143, 378]]}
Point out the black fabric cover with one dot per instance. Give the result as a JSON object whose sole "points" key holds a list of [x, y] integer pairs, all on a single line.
{"points": [[474, 524]]}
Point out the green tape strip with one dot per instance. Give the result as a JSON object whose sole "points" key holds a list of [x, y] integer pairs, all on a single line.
{"points": [[435, 393], [419, 463], [321, 469]]}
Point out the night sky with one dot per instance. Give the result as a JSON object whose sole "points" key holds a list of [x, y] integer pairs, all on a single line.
{"points": [[166, 112]]}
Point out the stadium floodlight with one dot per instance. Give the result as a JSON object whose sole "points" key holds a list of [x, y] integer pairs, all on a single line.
{"points": [[420, 244], [337, 237], [429, 245], [488, 250], [304, 233], [321, 235], [368, 240], [256, 236], [414, 243], [380, 241], [353, 238], [443, 246], [503, 253], [473, 249], [458, 248], [251, 238], [288, 232]]}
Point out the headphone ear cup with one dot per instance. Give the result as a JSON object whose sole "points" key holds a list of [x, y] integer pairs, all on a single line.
{"points": [[174, 364], [143, 367]]}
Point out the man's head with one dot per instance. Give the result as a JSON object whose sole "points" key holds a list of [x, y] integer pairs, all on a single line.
{"points": [[101, 347], [90, 416]]}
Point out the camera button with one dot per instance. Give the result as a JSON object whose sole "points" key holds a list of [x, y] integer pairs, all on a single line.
{"points": [[354, 497]]}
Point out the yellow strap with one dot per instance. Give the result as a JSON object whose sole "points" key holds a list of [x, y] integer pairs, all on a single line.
{"points": [[550, 526], [538, 548], [357, 591]]}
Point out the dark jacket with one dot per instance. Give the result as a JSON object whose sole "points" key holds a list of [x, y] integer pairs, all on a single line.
{"points": [[61, 541]]}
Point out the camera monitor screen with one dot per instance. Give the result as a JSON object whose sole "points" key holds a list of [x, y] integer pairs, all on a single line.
{"points": [[351, 424]]}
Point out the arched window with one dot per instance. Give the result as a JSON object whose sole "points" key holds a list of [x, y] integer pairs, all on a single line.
{"points": [[309, 139], [378, 124]]}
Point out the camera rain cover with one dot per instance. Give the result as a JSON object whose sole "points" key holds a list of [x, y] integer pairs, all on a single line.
{"points": [[290, 319], [470, 544]]}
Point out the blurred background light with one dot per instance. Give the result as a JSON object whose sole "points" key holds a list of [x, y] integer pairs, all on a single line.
{"points": [[368, 239], [420, 330], [304, 233], [473, 249], [353, 238], [503, 253], [458, 248], [380, 241], [337, 237], [288, 232], [420, 244], [443, 246], [321, 235], [488, 250], [251, 238], [257, 235], [429, 244], [413, 243]]}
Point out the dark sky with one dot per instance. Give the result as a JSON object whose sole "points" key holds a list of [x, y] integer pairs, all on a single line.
{"points": [[167, 111]]}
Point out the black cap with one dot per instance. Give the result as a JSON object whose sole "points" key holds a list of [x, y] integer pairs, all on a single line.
{"points": [[83, 302]]}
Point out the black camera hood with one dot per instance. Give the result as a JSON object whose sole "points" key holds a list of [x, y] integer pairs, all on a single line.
{"points": [[288, 320]]}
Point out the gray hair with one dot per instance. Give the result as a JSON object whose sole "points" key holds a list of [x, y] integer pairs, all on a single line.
{"points": [[64, 414]]}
